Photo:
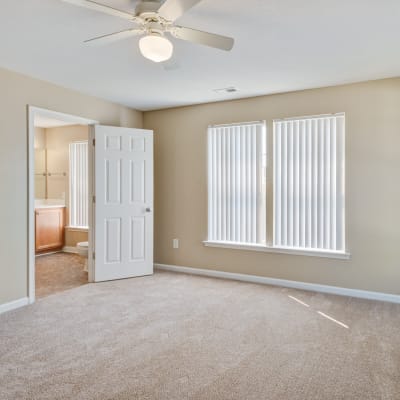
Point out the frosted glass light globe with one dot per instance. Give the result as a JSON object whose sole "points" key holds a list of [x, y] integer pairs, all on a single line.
{"points": [[156, 48]]}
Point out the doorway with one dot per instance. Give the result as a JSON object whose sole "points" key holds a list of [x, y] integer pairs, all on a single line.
{"points": [[120, 198], [60, 186]]}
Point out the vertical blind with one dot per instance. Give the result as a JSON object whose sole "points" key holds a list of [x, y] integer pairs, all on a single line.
{"points": [[309, 183], [79, 193], [236, 183]]}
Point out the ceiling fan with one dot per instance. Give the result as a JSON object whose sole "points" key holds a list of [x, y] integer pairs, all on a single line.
{"points": [[154, 23]]}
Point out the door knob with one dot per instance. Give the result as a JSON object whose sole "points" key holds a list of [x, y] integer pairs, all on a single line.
{"points": [[148, 209]]}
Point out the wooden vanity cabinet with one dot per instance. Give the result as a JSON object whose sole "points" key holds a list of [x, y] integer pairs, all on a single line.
{"points": [[49, 229]]}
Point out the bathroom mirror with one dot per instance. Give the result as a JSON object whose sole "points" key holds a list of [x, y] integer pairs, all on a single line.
{"points": [[40, 174]]}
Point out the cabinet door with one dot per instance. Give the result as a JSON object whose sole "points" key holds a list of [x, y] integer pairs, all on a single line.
{"points": [[49, 229]]}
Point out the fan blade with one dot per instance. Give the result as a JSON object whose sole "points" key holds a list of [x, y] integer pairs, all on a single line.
{"points": [[113, 37], [200, 37], [92, 5], [173, 9]]}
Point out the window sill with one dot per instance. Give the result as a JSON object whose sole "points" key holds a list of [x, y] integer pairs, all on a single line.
{"points": [[76, 229], [279, 250]]}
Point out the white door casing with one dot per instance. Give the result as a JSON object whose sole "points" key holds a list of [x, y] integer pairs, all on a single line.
{"points": [[123, 209]]}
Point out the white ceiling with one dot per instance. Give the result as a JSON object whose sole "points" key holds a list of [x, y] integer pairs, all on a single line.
{"points": [[281, 45]]}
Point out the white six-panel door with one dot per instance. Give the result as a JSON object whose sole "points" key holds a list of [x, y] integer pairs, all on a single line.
{"points": [[123, 210]]}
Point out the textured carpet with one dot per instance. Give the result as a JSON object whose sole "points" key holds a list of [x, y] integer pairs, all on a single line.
{"points": [[58, 272], [176, 336]]}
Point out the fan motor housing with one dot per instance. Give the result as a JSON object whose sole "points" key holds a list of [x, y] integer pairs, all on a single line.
{"points": [[154, 28], [147, 9]]}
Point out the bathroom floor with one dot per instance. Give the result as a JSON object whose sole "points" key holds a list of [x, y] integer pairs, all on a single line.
{"points": [[58, 272]]}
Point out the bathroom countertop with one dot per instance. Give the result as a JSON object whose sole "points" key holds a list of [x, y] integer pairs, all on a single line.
{"points": [[49, 203], [49, 206]]}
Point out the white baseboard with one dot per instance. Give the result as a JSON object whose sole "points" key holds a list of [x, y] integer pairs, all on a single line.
{"points": [[48, 254], [362, 294], [12, 305], [70, 249]]}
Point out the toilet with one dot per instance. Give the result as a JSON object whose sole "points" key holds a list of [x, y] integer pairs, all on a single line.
{"points": [[83, 250]]}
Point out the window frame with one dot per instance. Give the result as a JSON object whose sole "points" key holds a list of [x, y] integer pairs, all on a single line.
{"points": [[270, 211]]}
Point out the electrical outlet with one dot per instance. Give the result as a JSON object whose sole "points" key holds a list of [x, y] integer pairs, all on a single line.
{"points": [[175, 243]]}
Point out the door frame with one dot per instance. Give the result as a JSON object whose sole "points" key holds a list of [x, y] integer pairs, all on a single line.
{"points": [[31, 112]]}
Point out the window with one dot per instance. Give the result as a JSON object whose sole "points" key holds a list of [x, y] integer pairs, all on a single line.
{"points": [[309, 183], [308, 195], [79, 193], [236, 183]]}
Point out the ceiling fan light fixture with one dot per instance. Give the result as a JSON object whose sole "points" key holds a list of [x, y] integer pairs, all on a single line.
{"points": [[156, 47]]}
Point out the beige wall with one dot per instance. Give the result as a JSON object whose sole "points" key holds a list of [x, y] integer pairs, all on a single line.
{"points": [[372, 198], [74, 236], [40, 138], [18, 91], [373, 189]]}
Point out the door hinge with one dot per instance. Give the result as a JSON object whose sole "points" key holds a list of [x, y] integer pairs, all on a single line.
{"points": [[94, 142], [94, 199], [93, 255]]}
